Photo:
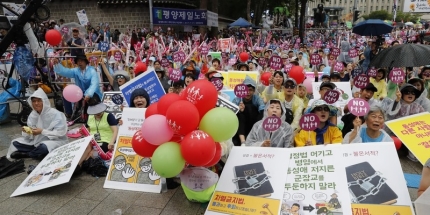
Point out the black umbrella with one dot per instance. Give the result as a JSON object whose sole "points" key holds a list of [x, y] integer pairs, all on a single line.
{"points": [[404, 55]]}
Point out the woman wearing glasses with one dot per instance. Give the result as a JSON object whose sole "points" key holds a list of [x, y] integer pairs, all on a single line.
{"points": [[326, 133]]}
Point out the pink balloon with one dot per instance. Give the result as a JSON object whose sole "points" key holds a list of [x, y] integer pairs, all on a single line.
{"points": [[72, 93], [155, 130], [308, 84]]}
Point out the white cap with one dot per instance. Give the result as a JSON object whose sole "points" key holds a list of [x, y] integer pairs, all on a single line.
{"points": [[152, 59]]}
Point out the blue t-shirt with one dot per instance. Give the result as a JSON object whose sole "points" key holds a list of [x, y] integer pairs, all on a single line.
{"points": [[366, 139]]}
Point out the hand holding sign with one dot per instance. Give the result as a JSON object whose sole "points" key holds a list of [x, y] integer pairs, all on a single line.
{"points": [[275, 62], [397, 75], [331, 96], [372, 72], [309, 122], [361, 81], [217, 82], [358, 107], [241, 90]]}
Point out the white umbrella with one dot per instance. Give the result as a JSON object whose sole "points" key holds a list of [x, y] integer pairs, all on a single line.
{"points": [[66, 30], [409, 23]]}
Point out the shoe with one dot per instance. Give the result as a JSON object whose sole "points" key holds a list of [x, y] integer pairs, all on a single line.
{"points": [[19, 155]]}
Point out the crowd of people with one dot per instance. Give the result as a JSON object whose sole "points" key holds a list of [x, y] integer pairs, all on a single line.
{"points": [[283, 97]]}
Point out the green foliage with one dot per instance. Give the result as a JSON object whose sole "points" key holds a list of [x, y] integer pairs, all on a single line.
{"points": [[384, 15]]}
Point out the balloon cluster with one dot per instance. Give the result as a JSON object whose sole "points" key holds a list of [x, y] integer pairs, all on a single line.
{"points": [[185, 129]]}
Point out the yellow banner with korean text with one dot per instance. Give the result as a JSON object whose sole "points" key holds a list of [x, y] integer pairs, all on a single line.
{"points": [[230, 203], [233, 78], [414, 132], [370, 209]]}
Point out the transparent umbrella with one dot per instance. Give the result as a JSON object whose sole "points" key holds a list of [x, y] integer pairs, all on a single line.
{"points": [[66, 30]]}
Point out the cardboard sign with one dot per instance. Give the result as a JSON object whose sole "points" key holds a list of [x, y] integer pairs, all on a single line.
{"points": [[309, 122], [312, 180], [413, 131], [397, 75], [164, 62], [275, 62], [272, 123], [175, 75], [148, 81], [372, 72], [55, 169], [241, 90], [128, 170], [358, 107], [117, 55], [335, 52], [217, 82], [288, 67], [112, 107], [316, 59], [361, 81], [331, 96], [338, 67], [353, 53]]}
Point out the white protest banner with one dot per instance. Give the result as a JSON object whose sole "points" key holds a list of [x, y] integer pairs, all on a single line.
{"points": [[82, 17], [252, 181], [112, 107], [129, 171], [343, 87], [55, 169], [369, 180]]}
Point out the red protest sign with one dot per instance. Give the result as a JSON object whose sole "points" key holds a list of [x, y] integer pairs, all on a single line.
{"points": [[309, 122], [217, 82], [241, 90], [275, 62], [272, 123], [338, 67], [335, 52], [331, 96], [175, 75], [352, 53], [397, 75], [316, 59], [372, 72], [361, 81], [358, 107]]}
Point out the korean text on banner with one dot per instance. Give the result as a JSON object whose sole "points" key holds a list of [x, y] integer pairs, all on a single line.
{"points": [[212, 19], [225, 44], [414, 132], [82, 17], [233, 78], [174, 16], [55, 169], [129, 171], [148, 81]]}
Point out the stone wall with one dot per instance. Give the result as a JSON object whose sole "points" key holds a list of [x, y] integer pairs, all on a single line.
{"points": [[118, 17]]}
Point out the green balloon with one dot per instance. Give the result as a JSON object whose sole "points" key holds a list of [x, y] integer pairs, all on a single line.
{"points": [[167, 160], [221, 123]]}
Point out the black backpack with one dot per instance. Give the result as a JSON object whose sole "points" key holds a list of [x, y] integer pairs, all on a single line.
{"points": [[95, 167], [289, 116]]}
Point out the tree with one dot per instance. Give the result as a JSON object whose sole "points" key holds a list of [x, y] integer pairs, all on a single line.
{"points": [[400, 16], [248, 10], [379, 14]]}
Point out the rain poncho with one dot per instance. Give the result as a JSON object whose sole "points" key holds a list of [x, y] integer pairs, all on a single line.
{"points": [[52, 121], [386, 137], [257, 101], [344, 49], [281, 138], [14, 87], [88, 81]]}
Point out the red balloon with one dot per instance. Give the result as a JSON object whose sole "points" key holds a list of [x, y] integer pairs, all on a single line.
{"points": [[151, 110], [265, 78], [141, 146], [297, 73], [183, 117], [140, 67], [243, 56], [198, 148], [53, 37], [201, 93], [165, 102], [397, 142], [216, 157]]}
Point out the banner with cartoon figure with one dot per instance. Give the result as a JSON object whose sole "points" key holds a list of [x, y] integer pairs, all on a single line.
{"points": [[114, 101], [369, 180], [129, 171], [55, 169]]}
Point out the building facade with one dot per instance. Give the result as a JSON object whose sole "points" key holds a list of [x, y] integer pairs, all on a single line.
{"points": [[365, 6]]}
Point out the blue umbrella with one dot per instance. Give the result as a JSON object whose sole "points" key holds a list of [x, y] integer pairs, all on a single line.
{"points": [[372, 27]]}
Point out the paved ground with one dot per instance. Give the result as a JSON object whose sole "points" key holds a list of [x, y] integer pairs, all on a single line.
{"points": [[86, 195]]}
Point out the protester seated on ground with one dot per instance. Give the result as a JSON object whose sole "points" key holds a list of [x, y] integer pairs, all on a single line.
{"points": [[324, 87], [366, 94], [281, 138], [293, 104], [85, 77], [404, 105], [326, 133], [422, 99], [425, 179], [251, 110], [371, 131], [380, 84], [274, 90], [47, 128], [102, 125]]}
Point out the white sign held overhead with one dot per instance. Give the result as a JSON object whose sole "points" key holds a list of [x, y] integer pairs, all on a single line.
{"points": [[212, 19]]}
